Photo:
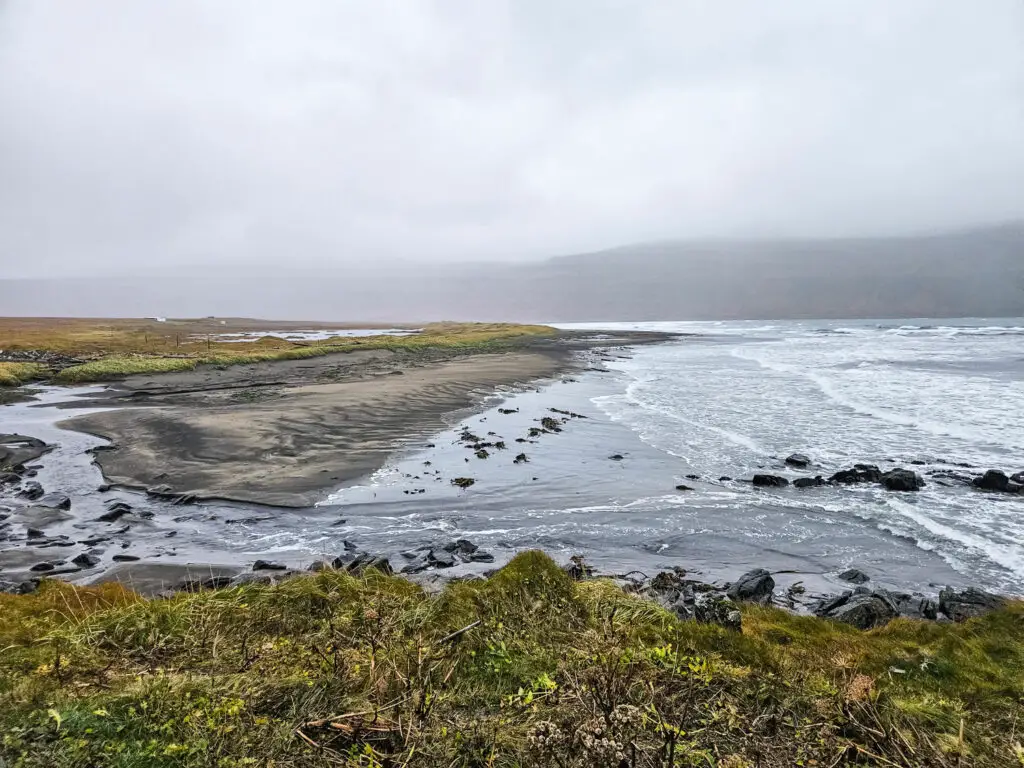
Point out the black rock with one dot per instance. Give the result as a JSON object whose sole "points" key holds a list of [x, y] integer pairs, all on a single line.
{"points": [[64, 570], [916, 606], [85, 560], [993, 480], [461, 547], [54, 501], [754, 586], [417, 563], [968, 603], [693, 477], [683, 488], [770, 481], [1017, 478], [42, 567], [266, 565], [481, 557], [854, 576], [364, 561], [26, 587], [9, 478], [902, 480], [863, 610], [32, 491], [725, 479], [692, 600], [114, 514], [34, 533], [440, 558], [125, 558], [808, 482], [578, 569], [709, 608], [798, 460], [616, 457], [952, 477], [861, 473]]}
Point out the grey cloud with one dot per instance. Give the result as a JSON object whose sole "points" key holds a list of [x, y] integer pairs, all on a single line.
{"points": [[139, 135]]}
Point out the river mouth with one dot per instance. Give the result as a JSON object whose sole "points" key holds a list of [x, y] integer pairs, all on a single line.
{"points": [[630, 427], [594, 488]]}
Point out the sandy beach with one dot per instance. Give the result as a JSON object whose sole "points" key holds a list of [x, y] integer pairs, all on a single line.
{"points": [[284, 433]]}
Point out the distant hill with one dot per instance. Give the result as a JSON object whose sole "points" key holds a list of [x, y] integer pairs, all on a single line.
{"points": [[971, 273], [978, 272]]}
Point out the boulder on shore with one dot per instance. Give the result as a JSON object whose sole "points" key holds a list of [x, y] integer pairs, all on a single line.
{"points": [[808, 482], [770, 481], [861, 609], [85, 560], [798, 460], [754, 586], [854, 576], [693, 600], [902, 480], [916, 606], [968, 603], [266, 565]]}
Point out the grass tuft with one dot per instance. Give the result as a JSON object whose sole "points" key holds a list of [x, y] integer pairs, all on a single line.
{"points": [[16, 374], [526, 668]]}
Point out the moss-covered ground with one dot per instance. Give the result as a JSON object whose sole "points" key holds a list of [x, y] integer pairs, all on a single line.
{"points": [[332, 669]]}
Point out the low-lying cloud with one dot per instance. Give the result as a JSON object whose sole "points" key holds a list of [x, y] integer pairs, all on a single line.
{"points": [[139, 137]]}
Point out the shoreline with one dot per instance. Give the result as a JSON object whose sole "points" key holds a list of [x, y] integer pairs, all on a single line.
{"points": [[287, 433]]}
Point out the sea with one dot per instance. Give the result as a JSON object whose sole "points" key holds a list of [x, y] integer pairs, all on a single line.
{"points": [[731, 399], [706, 410]]}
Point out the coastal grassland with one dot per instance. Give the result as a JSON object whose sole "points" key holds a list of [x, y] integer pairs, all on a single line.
{"points": [[526, 668], [16, 374], [95, 350]]}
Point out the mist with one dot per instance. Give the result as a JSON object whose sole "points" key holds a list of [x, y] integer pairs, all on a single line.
{"points": [[278, 159]]}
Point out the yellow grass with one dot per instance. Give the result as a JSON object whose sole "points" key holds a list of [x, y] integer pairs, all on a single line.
{"points": [[110, 349], [15, 374]]}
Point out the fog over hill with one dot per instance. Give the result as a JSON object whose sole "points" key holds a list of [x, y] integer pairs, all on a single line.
{"points": [[977, 272]]}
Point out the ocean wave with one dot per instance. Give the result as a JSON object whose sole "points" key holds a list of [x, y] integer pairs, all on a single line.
{"points": [[1007, 556]]}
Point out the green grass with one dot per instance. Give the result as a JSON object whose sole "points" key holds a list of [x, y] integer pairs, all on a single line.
{"points": [[463, 336], [119, 367], [16, 374], [335, 670]]}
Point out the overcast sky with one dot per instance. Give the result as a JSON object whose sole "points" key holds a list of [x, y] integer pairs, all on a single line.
{"points": [[136, 133]]}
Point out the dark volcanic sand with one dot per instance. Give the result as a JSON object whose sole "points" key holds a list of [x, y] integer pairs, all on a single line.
{"points": [[284, 433]]}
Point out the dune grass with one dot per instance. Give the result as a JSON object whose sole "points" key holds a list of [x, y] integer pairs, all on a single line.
{"points": [[332, 669], [16, 374], [113, 349], [116, 367]]}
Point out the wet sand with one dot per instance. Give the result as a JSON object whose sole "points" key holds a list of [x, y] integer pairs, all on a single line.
{"points": [[285, 433], [273, 436]]}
